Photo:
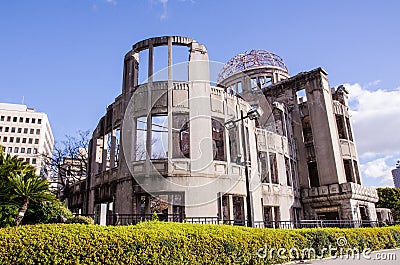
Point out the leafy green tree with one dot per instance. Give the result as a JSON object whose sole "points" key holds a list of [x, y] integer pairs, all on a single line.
{"points": [[18, 187], [390, 198], [24, 188], [46, 212]]}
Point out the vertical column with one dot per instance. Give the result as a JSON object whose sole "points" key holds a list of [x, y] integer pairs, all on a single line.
{"points": [[149, 106], [170, 107], [326, 137]]}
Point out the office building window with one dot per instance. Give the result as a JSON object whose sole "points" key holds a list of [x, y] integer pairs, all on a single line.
{"points": [[14, 119], [32, 131], [11, 139], [19, 130], [33, 120], [8, 118], [24, 140], [28, 159], [26, 120], [21, 119], [25, 130], [30, 140], [37, 131], [29, 150], [2, 118], [6, 129], [16, 150], [22, 150], [9, 150], [35, 150], [17, 140], [39, 121], [33, 161], [13, 129], [5, 139], [1, 128], [36, 141]]}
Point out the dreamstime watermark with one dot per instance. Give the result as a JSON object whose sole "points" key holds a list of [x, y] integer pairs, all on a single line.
{"points": [[338, 251]]}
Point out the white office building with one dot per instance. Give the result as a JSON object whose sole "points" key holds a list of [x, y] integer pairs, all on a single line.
{"points": [[26, 133]]}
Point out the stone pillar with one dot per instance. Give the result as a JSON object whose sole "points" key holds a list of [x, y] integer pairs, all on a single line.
{"points": [[323, 124]]}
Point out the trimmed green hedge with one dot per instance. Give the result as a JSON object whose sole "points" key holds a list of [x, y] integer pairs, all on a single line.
{"points": [[173, 243], [80, 220]]}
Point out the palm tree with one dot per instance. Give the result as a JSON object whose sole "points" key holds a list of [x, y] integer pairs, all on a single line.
{"points": [[25, 188], [19, 185]]}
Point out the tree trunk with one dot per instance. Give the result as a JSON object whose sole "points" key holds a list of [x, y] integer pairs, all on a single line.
{"points": [[21, 212]]}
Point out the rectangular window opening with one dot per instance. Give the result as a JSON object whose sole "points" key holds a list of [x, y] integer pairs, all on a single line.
{"points": [[159, 137], [181, 136], [301, 96]]}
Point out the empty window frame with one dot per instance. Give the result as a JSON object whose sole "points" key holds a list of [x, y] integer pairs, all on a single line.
{"points": [[264, 167], [180, 136], [288, 173], [313, 174], [301, 96], [348, 170], [117, 145], [234, 144], [307, 131], [159, 137], [218, 138], [356, 172], [273, 164], [239, 88], [350, 133], [279, 122], [341, 127], [141, 136], [108, 146]]}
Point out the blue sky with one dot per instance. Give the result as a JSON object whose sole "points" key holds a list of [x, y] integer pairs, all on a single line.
{"points": [[65, 57]]}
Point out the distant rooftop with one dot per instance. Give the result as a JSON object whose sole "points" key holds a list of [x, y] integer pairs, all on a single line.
{"points": [[15, 107]]}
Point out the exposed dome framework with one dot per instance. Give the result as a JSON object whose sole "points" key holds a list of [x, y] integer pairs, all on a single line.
{"points": [[249, 60]]}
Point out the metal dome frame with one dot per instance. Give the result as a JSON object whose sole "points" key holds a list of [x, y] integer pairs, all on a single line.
{"points": [[250, 60]]}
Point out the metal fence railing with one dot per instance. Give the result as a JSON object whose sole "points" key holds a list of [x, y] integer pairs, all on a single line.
{"points": [[132, 219]]}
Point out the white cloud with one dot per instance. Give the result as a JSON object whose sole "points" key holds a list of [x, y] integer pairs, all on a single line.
{"points": [[112, 2], [164, 14], [375, 119], [379, 169]]}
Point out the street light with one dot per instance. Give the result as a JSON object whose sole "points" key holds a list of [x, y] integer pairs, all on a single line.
{"points": [[252, 113]]}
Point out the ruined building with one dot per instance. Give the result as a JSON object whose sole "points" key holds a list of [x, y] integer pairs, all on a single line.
{"points": [[164, 144]]}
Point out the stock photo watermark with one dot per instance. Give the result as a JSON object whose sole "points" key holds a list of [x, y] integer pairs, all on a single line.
{"points": [[339, 251]]}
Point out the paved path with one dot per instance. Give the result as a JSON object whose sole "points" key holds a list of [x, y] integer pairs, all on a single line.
{"points": [[383, 257]]}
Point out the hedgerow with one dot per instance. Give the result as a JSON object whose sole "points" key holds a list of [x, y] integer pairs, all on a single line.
{"points": [[174, 243]]}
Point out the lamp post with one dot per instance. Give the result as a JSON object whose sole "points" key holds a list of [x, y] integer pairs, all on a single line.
{"points": [[252, 114]]}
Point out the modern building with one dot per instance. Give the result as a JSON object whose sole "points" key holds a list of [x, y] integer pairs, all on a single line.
{"points": [[396, 175], [27, 134], [190, 147]]}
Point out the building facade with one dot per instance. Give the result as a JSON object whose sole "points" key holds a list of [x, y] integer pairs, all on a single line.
{"points": [[27, 134], [164, 144], [396, 175]]}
